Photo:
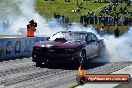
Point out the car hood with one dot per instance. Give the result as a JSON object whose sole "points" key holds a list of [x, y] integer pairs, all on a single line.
{"points": [[68, 44]]}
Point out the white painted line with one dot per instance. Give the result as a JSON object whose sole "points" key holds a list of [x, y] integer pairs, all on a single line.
{"points": [[126, 70], [98, 86]]}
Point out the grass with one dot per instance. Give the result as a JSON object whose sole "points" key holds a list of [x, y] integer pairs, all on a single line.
{"points": [[47, 8]]}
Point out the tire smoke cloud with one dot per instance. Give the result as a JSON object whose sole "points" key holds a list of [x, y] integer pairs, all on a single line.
{"points": [[119, 49], [18, 13]]}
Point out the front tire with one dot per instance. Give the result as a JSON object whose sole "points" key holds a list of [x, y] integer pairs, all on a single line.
{"points": [[38, 64], [81, 80], [82, 57]]}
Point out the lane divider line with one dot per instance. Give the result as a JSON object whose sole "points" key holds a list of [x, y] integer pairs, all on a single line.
{"points": [[73, 86], [119, 69]]}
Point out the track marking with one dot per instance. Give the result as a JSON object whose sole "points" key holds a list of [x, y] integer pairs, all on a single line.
{"points": [[73, 86]]}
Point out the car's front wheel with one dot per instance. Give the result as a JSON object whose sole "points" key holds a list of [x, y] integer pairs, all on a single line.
{"points": [[81, 80], [38, 64], [82, 57]]}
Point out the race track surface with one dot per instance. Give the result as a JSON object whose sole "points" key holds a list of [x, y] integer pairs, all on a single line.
{"points": [[22, 73]]}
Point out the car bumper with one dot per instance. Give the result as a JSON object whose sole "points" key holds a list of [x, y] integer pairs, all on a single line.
{"points": [[56, 58]]}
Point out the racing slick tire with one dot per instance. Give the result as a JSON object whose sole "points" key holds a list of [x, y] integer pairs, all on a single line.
{"points": [[102, 52], [82, 57], [103, 55], [81, 80]]}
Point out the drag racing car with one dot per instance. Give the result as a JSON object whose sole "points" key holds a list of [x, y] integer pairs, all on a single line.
{"points": [[67, 47]]}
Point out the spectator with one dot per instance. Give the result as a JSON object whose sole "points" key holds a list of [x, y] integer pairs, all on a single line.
{"points": [[110, 8], [85, 19], [102, 31], [109, 20], [81, 19], [99, 17], [116, 20], [121, 19], [121, 9], [78, 8], [95, 19], [116, 32], [63, 19], [125, 8], [114, 9]]}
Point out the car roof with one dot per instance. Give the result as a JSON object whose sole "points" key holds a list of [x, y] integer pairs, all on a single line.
{"points": [[85, 32]]}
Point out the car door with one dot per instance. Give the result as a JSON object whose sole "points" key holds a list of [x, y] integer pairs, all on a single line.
{"points": [[89, 46], [92, 46], [95, 44]]}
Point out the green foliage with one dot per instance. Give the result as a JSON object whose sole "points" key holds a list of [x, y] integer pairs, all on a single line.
{"points": [[48, 8]]}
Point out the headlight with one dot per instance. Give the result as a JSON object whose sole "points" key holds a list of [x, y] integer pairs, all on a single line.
{"points": [[43, 45], [49, 45]]}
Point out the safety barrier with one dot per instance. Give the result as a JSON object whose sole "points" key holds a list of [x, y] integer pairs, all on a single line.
{"points": [[18, 47]]}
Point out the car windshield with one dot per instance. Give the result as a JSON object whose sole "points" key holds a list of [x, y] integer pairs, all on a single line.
{"points": [[69, 36]]}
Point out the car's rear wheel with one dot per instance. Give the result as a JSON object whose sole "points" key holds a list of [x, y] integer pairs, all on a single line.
{"points": [[102, 55], [102, 52]]}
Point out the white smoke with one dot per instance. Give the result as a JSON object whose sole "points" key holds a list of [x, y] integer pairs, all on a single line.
{"points": [[20, 12], [27, 13], [119, 49]]}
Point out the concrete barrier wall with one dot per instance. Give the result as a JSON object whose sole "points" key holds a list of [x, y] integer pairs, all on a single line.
{"points": [[17, 47]]}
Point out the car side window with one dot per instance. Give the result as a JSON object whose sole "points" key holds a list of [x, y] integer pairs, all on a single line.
{"points": [[94, 37], [89, 37]]}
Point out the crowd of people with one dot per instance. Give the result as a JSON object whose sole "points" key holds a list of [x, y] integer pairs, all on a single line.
{"points": [[108, 16], [61, 19], [103, 31]]}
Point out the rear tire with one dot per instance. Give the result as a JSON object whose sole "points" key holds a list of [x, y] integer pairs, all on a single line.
{"points": [[102, 52], [103, 55]]}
